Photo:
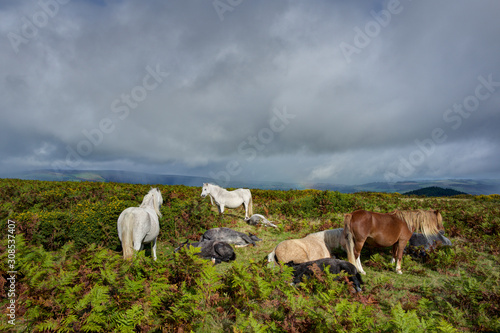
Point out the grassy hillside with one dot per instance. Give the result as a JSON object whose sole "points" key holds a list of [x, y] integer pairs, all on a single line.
{"points": [[71, 276]]}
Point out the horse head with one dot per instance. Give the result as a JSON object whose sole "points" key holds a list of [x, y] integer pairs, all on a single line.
{"points": [[254, 237], [159, 198], [204, 190], [439, 219], [181, 246]]}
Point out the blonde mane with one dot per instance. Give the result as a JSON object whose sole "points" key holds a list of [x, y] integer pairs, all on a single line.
{"points": [[427, 222]]}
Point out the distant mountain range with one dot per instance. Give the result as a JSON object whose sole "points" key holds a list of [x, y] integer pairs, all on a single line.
{"points": [[476, 187]]}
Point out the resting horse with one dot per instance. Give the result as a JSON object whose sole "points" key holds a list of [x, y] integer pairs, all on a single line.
{"points": [[334, 266], [230, 236], [440, 239], [230, 199], [420, 244], [214, 250], [384, 230], [139, 225], [259, 219], [314, 246]]}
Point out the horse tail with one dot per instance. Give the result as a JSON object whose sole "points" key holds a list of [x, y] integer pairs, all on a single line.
{"points": [[349, 239], [127, 236], [250, 205]]}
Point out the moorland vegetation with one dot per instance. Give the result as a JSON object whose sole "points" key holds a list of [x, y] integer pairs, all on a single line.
{"points": [[71, 275]]}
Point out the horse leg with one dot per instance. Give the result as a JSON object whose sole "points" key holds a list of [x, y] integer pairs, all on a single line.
{"points": [[153, 248], [394, 253], [399, 249], [358, 264], [221, 209], [357, 254], [246, 209], [137, 241], [138, 245]]}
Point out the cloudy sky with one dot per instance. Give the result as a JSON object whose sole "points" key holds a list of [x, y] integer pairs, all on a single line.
{"points": [[296, 91]]}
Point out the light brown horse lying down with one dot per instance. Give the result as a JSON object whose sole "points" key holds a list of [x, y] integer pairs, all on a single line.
{"points": [[314, 246]]}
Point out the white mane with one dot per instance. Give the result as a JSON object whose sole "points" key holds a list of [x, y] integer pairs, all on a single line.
{"points": [[153, 200]]}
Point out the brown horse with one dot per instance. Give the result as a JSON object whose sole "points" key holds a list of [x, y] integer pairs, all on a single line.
{"points": [[384, 230]]}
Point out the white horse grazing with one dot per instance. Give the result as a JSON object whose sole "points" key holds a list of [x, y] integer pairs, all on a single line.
{"points": [[230, 199], [140, 225]]}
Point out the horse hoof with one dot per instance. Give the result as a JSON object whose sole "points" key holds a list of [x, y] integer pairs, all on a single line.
{"points": [[363, 272], [399, 272]]}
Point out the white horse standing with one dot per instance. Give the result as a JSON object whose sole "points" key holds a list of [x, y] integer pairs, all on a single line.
{"points": [[230, 199], [140, 225]]}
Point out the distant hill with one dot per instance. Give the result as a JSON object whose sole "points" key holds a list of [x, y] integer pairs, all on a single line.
{"points": [[475, 187], [434, 191], [111, 176]]}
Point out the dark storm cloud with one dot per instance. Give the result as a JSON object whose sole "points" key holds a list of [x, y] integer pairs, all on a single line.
{"points": [[188, 87]]}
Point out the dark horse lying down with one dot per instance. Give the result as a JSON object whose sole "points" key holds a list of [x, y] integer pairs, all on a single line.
{"points": [[216, 251], [229, 236], [334, 266]]}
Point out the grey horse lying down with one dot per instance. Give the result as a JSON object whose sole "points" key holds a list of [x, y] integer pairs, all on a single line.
{"points": [[432, 240], [214, 250], [418, 245], [229, 236], [334, 266]]}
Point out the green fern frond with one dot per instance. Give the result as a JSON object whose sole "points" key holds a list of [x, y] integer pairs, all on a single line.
{"points": [[406, 322], [92, 327], [108, 275], [97, 259], [99, 297], [131, 318], [445, 327], [48, 325], [66, 277], [70, 295], [250, 324], [66, 324], [83, 303], [133, 286], [343, 307]]}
